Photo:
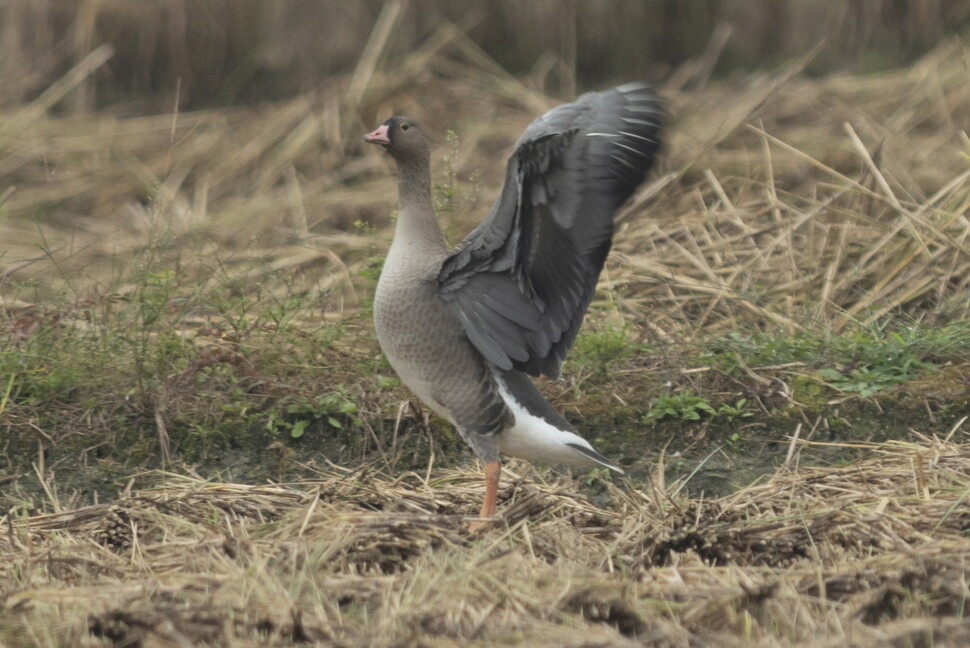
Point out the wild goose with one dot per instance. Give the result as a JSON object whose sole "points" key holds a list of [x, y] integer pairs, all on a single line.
{"points": [[463, 327]]}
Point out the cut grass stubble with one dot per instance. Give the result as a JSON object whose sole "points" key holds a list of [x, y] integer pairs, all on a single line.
{"points": [[811, 556]]}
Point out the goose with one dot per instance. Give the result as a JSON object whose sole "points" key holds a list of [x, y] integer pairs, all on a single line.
{"points": [[464, 328]]}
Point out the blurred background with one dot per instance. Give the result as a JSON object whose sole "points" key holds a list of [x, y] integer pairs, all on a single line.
{"points": [[193, 130], [228, 52]]}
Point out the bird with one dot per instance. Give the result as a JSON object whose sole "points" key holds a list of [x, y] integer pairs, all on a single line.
{"points": [[465, 328]]}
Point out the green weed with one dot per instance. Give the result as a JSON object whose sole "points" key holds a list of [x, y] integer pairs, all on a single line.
{"points": [[686, 405], [683, 405], [864, 361], [335, 409], [452, 195], [447, 192], [601, 342]]}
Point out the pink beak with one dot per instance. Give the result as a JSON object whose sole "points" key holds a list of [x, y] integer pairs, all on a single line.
{"points": [[378, 136]]}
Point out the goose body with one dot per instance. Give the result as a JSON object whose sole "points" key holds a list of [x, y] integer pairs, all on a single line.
{"points": [[462, 328]]}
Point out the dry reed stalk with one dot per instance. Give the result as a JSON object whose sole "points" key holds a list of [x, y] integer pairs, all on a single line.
{"points": [[375, 46]]}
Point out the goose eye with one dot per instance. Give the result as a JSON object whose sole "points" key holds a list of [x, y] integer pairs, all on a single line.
{"points": [[405, 126]]}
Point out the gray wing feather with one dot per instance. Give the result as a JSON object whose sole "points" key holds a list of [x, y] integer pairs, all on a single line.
{"points": [[521, 281]]}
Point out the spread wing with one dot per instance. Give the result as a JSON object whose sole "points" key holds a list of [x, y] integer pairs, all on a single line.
{"points": [[521, 281]]}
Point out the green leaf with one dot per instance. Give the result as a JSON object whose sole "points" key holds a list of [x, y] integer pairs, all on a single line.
{"points": [[299, 428]]}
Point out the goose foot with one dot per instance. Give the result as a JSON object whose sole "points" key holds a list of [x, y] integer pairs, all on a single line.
{"points": [[493, 470]]}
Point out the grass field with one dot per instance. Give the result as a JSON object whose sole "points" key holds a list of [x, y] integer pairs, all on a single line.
{"points": [[200, 443]]}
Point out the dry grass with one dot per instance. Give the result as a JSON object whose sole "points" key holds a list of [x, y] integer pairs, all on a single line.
{"points": [[834, 201], [872, 554], [783, 201]]}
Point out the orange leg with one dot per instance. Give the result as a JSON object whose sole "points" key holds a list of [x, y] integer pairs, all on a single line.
{"points": [[493, 471]]}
